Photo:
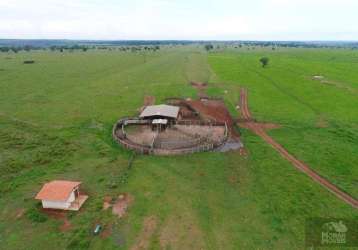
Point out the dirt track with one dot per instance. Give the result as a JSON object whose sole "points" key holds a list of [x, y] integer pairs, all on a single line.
{"points": [[257, 129]]}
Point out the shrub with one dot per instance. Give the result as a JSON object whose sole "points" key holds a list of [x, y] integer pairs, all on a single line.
{"points": [[209, 47], [29, 62], [79, 240], [35, 215], [264, 61]]}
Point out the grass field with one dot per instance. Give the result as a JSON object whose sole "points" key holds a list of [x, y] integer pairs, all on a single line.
{"points": [[56, 118]]}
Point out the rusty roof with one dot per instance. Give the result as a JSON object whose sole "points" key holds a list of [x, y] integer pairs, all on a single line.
{"points": [[57, 190]]}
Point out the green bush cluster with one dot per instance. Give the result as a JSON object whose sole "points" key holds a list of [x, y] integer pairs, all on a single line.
{"points": [[35, 215]]}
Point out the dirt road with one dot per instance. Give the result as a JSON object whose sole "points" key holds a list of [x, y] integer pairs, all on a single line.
{"points": [[257, 129]]}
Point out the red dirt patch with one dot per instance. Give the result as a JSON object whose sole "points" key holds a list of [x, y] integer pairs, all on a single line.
{"points": [[107, 202], [149, 100], [216, 111], [121, 205], [143, 239], [201, 173], [243, 152], [188, 114], [19, 213], [107, 231], [59, 215], [321, 123], [55, 214], [232, 179], [66, 225], [212, 109]]}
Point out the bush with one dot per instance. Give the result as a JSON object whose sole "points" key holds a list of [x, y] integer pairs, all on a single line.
{"points": [[35, 215], [79, 240], [29, 62], [209, 47], [264, 61]]}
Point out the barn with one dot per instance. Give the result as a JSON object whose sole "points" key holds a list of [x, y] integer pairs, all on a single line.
{"points": [[161, 115], [64, 195]]}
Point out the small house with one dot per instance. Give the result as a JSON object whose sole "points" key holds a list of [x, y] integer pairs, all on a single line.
{"points": [[63, 195]]}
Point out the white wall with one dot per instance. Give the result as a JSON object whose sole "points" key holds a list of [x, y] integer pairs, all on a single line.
{"points": [[55, 204], [59, 204], [72, 197]]}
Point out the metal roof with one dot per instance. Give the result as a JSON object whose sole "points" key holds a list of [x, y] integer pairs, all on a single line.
{"points": [[57, 190], [160, 110]]}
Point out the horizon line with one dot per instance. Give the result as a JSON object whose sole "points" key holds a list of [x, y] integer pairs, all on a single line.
{"points": [[184, 40]]}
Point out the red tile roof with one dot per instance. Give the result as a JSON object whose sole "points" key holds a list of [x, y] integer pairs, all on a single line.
{"points": [[57, 190]]}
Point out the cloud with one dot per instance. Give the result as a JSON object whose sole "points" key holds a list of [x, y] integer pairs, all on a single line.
{"points": [[184, 19]]}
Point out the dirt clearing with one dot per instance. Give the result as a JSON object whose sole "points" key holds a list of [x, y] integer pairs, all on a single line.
{"points": [[212, 109], [321, 123], [149, 100], [215, 110], [107, 202], [119, 208], [19, 213], [107, 231], [59, 215]]}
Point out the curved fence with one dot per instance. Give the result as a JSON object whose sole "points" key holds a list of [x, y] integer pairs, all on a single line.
{"points": [[167, 147], [120, 136]]}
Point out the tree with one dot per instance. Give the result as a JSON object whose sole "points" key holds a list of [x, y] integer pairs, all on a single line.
{"points": [[209, 47], [27, 48], [15, 50], [264, 61]]}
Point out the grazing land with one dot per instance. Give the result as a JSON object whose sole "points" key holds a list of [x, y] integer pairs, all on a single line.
{"points": [[56, 118]]}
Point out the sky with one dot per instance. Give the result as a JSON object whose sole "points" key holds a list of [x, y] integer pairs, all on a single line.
{"points": [[306, 20]]}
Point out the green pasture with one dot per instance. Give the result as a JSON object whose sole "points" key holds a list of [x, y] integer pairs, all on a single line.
{"points": [[56, 117]]}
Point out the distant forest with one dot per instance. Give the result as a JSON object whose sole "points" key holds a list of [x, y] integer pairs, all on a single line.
{"points": [[16, 45]]}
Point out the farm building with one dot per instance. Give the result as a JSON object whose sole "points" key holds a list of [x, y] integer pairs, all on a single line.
{"points": [[63, 195], [160, 115]]}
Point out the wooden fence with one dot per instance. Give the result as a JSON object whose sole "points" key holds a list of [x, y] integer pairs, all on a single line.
{"points": [[197, 145]]}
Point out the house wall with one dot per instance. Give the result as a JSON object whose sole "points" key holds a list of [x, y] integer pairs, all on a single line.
{"points": [[59, 204], [56, 204], [72, 197]]}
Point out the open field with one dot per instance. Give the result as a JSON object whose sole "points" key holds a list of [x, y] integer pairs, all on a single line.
{"points": [[56, 118], [320, 122]]}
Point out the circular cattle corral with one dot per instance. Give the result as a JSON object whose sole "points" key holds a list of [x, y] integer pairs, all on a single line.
{"points": [[181, 127], [179, 138]]}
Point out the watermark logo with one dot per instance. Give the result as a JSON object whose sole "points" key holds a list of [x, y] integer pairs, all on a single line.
{"points": [[334, 233], [331, 232]]}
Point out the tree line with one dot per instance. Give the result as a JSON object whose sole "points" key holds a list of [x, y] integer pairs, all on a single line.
{"points": [[84, 48]]}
